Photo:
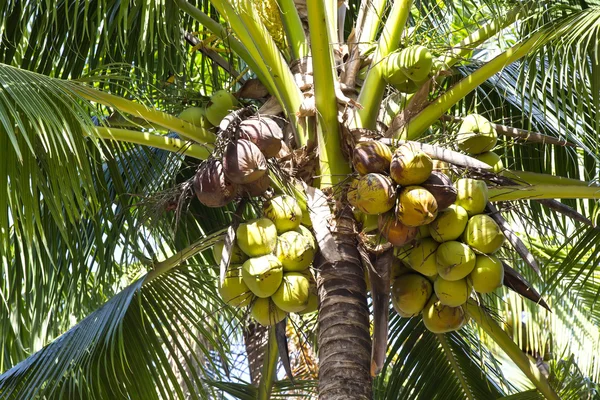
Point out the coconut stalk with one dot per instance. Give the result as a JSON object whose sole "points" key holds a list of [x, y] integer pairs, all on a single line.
{"points": [[369, 18], [269, 370], [372, 90], [539, 192], [293, 28], [534, 178], [489, 325]]}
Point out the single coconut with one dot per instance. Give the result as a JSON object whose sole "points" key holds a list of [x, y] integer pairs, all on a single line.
{"points": [[394, 231], [413, 62], [293, 293], [392, 106], [257, 237], [422, 258], [372, 194], [483, 234], [408, 86], [409, 165], [234, 290], [398, 269], [258, 187], [392, 73], [440, 186], [472, 195], [304, 231], [488, 274], [237, 255], [449, 224], [367, 222], [243, 162], [439, 318], [492, 159], [295, 251], [313, 297], [455, 260], [196, 116], [284, 211], [264, 132], [221, 102], [266, 313], [410, 293], [212, 187], [416, 206], [476, 135], [402, 253], [371, 156], [451, 293], [262, 275]]}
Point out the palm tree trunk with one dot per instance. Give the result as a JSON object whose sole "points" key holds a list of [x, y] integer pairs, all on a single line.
{"points": [[255, 339], [344, 340]]}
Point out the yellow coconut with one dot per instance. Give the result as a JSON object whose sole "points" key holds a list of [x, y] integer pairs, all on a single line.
{"points": [[304, 231], [483, 234], [262, 275], [409, 165], [416, 206], [266, 313], [234, 290], [476, 135], [237, 255], [410, 293], [455, 260], [415, 62], [439, 318], [449, 224], [284, 211], [402, 253], [293, 293], [422, 257], [451, 293], [295, 251], [492, 159], [371, 156], [488, 274], [472, 195], [257, 237], [372, 194]]}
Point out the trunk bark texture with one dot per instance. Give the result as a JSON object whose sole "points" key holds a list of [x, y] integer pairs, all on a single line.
{"points": [[344, 339]]}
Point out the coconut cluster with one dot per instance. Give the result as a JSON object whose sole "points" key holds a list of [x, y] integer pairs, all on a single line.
{"points": [[444, 243], [270, 260], [477, 137]]}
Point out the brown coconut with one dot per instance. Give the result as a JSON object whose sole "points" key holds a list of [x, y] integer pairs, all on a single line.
{"points": [[212, 187], [263, 132], [394, 231], [243, 162], [440, 186], [258, 187], [371, 156]]}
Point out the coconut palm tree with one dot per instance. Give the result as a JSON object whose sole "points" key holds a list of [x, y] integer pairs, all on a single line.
{"points": [[108, 285]]}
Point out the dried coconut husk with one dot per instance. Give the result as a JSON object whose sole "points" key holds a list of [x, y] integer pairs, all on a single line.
{"points": [[258, 187], [263, 132], [243, 162], [440, 186], [212, 187]]}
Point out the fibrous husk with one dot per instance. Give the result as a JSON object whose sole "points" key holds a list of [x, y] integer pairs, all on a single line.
{"points": [[440, 186], [295, 251], [293, 293], [476, 135], [409, 165], [262, 275], [483, 234], [258, 187], [234, 290], [410, 293], [371, 156], [472, 195], [243, 162], [257, 237], [488, 274], [237, 255], [449, 224], [451, 293], [455, 260], [372, 194], [416, 206], [266, 313], [284, 211], [422, 258], [264, 132], [394, 231], [212, 187], [492, 159], [439, 318]]}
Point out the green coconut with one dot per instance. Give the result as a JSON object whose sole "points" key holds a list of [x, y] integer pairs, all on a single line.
{"points": [[372, 194], [257, 237], [451, 293], [439, 318], [414, 62], [266, 313], [472, 195], [476, 135], [237, 255], [398, 269], [284, 211], [449, 224], [221, 102], [234, 290], [416, 206], [367, 222], [196, 116], [409, 165], [293, 293], [492, 159], [295, 251], [392, 106], [422, 258], [304, 231], [488, 274], [262, 275], [410, 293], [483, 234], [455, 260]]}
